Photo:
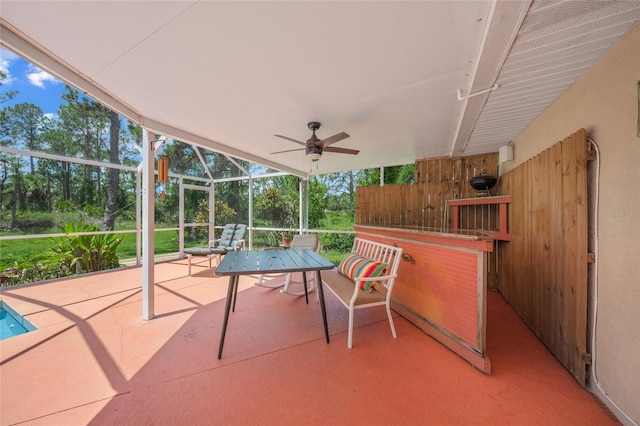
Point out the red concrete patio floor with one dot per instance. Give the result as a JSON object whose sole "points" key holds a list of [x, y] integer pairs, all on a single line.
{"points": [[93, 360]]}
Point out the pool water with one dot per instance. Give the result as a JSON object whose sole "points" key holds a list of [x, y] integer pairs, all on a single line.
{"points": [[12, 323]]}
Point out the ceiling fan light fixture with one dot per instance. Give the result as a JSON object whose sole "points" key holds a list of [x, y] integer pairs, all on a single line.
{"points": [[314, 146], [314, 153]]}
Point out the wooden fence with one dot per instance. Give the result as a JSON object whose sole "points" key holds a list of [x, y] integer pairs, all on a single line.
{"points": [[543, 269], [424, 203]]}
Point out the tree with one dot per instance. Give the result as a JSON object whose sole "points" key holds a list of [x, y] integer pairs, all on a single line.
{"points": [[224, 215], [10, 179], [182, 160], [111, 206], [344, 183], [274, 208], [26, 123], [22, 124], [5, 159], [406, 174], [60, 142], [34, 187], [6, 95], [235, 192], [86, 121], [15, 199], [317, 201], [392, 175]]}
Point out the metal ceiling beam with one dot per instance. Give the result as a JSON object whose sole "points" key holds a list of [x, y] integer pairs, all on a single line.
{"points": [[194, 139], [11, 38], [505, 19]]}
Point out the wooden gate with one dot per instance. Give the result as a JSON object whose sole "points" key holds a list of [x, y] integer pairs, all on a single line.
{"points": [[543, 269]]}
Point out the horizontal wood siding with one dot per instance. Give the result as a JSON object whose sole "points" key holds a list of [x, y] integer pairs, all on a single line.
{"points": [[441, 287], [543, 269]]}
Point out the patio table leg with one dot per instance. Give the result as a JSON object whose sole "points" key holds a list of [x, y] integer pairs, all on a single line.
{"points": [[235, 293], [322, 308], [304, 282], [233, 279]]}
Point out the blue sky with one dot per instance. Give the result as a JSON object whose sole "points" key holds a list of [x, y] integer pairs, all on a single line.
{"points": [[33, 85]]}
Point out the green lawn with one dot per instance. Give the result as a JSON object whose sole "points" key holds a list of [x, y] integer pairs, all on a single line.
{"points": [[165, 242], [17, 250], [334, 246]]}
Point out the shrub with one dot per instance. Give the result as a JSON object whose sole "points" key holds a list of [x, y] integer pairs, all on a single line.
{"points": [[34, 225], [224, 215], [61, 205], [338, 242], [71, 254], [32, 269], [94, 211], [86, 253]]}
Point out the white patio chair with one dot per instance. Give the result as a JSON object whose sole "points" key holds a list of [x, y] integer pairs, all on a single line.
{"points": [[298, 242]]}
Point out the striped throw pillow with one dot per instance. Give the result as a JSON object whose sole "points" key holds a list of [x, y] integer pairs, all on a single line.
{"points": [[355, 266]]}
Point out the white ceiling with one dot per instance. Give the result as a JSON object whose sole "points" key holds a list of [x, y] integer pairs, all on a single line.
{"points": [[231, 75]]}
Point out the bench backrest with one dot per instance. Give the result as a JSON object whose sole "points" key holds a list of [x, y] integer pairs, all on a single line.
{"points": [[380, 253]]}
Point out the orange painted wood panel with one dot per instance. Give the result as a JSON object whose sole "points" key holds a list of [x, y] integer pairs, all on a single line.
{"points": [[442, 287], [445, 284], [469, 240]]}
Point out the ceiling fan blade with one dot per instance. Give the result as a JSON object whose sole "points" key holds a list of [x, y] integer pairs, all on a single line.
{"points": [[288, 150], [340, 150], [332, 139], [292, 140]]}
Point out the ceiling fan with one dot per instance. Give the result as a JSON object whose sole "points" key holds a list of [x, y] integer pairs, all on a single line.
{"points": [[315, 147]]}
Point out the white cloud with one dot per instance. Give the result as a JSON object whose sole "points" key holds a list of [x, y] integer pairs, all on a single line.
{"points": [[6, 57], [38, 78], [4, 67]]}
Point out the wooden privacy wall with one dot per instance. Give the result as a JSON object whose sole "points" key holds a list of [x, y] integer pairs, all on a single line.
{"points": [[423, 203], [543, 269]]}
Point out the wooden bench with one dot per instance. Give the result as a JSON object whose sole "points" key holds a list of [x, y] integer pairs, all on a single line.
{"points": [[349, 291]]}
